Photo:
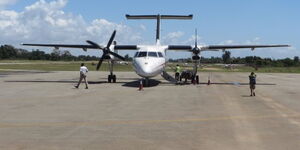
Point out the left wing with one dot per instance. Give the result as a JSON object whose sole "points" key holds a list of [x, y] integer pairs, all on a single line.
{"points": [[57, 46], [84, 47], [220, 47]]}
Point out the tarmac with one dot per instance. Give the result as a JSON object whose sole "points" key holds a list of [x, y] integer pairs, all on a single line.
{"points": [[42, 110]]}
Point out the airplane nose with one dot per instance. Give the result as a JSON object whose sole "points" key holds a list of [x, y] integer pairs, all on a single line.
{"points": [[144, 68]]}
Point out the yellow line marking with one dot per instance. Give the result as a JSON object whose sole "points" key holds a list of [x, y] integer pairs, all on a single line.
{"points": [[130, 122]]}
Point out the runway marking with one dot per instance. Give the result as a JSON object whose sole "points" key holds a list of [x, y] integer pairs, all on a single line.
{"points": [[129, 122]]}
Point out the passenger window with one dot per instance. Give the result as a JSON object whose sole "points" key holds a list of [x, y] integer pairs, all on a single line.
{"points": [[152, 54], [142, 54], [160, 54]]}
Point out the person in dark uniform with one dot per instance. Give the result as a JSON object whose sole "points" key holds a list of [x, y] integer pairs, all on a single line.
{"points": [[252, 83]]}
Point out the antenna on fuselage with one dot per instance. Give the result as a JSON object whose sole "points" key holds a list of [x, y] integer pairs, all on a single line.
{"points": [[158, 18]]}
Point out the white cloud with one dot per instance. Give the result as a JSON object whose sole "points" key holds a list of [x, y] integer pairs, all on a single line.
{"points": [[4, 3], [46, 22], [178, 38], [227, 42], [172, 37]]}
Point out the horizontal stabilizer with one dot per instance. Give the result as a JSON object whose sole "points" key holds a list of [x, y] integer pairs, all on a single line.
{"points": [[186, 17]]}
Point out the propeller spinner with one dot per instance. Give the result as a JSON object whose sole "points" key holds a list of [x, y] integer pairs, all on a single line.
{"points": [[106, 50]]}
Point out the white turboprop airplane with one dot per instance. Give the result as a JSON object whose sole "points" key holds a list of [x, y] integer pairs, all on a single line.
{"points": [[150, 60]]}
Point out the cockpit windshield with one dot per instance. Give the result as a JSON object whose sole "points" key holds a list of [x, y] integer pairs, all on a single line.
{"points": [[142, 54], [149, 54], [152, 54]]}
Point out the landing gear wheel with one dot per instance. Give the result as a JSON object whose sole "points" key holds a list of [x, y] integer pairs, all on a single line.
{"points": [[193, 80], [109, 78], [114, 78], [197, 79]]}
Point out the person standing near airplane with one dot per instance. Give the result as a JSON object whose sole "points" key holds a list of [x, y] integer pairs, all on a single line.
{"points": [[252, 83], [177, 72], [83, 73]]}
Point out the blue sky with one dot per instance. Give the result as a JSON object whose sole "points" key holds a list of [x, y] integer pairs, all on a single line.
{"points": [[218, 22]]}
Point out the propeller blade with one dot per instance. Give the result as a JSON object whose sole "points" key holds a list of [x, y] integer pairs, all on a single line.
{"points": [[100, 62], [111, 39], [94, 44], [117, 55], [196, 38]]}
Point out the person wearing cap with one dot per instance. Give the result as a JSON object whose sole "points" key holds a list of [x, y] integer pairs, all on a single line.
{"points": [[252, 83]]}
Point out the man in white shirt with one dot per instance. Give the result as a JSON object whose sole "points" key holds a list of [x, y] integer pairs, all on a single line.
{"points": [[83, 72]]}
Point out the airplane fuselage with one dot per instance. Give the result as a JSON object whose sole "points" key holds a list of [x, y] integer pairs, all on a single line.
{"points": [[149, 61]]}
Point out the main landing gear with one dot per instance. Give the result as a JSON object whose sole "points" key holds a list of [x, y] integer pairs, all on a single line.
{"points": [[195, 79], [111, 78]]}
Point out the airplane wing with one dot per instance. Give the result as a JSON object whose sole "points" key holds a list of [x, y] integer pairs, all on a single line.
{"points": [[84, 47], [224, 47], [57, 46], [220, 47]]}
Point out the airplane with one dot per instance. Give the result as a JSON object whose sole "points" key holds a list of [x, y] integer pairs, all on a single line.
{"points": [[150, 60]]}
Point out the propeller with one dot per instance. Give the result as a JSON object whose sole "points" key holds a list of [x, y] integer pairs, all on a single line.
{"points": [[196, 49], [106, 50]]}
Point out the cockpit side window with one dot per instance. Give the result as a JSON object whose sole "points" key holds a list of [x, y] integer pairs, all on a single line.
{"points": [[142, 54], [160, 54], [152, 54], [136, 54]]}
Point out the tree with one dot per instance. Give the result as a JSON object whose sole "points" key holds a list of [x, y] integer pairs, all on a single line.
{"points": [[127, 58], [226, 57], [296, 60], [55, 55], [37, 55], [8, 52], [66, 55]]}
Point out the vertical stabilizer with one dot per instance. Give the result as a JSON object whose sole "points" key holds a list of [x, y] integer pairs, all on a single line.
{"points": [[158, 19]]}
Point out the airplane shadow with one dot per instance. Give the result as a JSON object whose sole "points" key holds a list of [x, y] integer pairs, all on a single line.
{"points": [[136, 84]]}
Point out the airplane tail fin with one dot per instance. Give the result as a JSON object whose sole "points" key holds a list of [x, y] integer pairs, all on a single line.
{"points": [[158, 18]]}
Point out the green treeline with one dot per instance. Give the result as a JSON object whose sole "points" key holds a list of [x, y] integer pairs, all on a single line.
{"points": [[9, 52], [253, 61]]}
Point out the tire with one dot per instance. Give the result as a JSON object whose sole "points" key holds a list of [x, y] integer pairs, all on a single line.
{"points": [[109, 78], [192, 79], [114, 78], [197, 79]]}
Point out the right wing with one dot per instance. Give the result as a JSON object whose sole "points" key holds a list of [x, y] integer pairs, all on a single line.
{"points": [[224, 47]]}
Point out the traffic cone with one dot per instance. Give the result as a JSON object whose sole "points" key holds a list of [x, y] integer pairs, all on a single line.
{"points": [[141, 87]]}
